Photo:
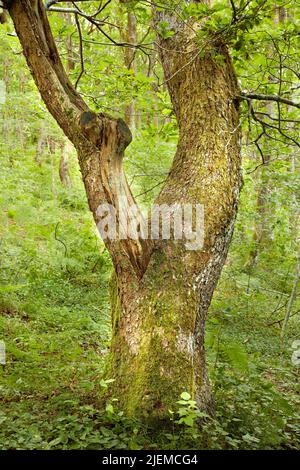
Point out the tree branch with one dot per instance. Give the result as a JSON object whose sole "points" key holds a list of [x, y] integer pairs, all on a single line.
{"points": [[262, 97]]}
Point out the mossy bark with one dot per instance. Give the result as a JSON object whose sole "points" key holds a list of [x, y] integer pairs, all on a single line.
{"points": [[157, 346], [159, 321]]}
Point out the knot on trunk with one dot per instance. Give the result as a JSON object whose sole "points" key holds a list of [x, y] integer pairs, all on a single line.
{"points": [[102, 130]]}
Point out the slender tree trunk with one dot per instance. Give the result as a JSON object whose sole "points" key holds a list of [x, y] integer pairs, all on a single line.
{"points": [[69, 45], [155, 117], [162, 291], [64, 173], [262, 232], [262, 229], [41, 144], [130, 37]]}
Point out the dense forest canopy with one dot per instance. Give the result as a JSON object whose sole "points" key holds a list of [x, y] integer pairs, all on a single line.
{"points": [[145, 102]]}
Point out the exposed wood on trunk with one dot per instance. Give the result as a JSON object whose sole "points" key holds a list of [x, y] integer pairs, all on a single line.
{"points": [[41, 144]]}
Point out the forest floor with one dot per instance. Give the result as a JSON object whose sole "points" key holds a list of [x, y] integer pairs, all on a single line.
{"points": [[55, 321]]}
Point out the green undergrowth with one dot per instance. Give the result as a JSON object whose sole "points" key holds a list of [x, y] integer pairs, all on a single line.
{"points": [[55, 322]]}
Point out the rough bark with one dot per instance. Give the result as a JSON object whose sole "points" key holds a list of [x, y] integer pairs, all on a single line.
{"points": [[161, 292]]}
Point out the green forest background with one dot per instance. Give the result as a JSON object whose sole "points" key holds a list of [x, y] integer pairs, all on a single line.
{"points": [[55, 270]]}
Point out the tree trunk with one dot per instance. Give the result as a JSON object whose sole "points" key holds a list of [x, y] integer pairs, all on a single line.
{"points": [[130, 37], [64, 173], [41, 144], [159, 322], [155, 117], [69, 45], [66, 146], [162, 290], [262, 230], [263, 207]]}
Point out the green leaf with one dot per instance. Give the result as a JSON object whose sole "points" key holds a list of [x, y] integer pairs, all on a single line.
{"points": [[185, 396]]}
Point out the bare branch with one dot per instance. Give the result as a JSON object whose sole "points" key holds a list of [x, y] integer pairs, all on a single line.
{"points": [[262, 97]]}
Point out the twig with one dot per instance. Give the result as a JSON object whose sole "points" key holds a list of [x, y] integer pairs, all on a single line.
{"points": [[151, 189], [59, 240], [281, 319]]}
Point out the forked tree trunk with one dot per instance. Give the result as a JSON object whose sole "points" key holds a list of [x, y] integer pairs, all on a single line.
{"points": [[162, 290]]}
